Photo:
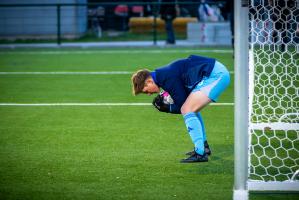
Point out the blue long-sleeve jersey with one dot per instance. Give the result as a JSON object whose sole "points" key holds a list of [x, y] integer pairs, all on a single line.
{"points": [[179, 77]]}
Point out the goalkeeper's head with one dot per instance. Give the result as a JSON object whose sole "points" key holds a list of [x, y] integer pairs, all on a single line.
{"points": [[142, 82]]}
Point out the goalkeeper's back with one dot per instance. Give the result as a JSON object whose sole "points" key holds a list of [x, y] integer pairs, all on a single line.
{"points": [[179, 77]]}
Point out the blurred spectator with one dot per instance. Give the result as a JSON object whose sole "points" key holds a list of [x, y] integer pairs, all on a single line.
{"points": [[96, 16], [209, 13], [122, 11], [169, 10]]}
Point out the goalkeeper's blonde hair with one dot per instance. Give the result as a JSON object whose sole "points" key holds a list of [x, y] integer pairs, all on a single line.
{"points": [[138, 80]]}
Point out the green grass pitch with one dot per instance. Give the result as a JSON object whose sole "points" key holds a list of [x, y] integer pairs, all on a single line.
{"points": [[105, 152]]}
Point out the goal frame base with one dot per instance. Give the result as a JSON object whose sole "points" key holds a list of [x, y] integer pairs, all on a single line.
{"points": [[273, 186]]}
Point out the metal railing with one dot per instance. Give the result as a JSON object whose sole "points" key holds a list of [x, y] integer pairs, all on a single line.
{"points": [[75, 17]]}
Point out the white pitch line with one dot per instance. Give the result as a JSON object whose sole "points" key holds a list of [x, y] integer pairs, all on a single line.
{"points": [[94, 104], [120, 51], [68, 73], [72, 73]]}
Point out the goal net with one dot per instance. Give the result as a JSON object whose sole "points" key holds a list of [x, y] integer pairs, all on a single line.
{"points": [[273, 151]]}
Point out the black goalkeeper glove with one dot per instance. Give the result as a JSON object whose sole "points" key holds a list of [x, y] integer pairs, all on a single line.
{"points": [[160, 105]]}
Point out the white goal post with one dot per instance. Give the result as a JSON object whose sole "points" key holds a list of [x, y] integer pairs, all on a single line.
{"points": [[266, 96]]}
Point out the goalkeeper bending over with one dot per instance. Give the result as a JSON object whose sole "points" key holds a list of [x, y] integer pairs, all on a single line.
{"points": [[192, 83]]}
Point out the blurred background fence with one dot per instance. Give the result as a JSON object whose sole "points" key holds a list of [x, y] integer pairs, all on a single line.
{"points": [[61, 21]]}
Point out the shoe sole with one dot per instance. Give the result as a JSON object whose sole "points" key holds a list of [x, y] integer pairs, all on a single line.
{"points": [[189, 153], [185, 161]]}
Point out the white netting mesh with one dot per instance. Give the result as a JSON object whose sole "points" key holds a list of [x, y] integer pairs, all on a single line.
{"points": [[274, 100]]}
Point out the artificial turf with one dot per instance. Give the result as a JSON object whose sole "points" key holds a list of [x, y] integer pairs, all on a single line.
{"points": [[105, 152]]}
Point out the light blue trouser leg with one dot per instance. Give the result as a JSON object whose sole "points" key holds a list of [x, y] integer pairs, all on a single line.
{"points": [[203, 126], [194, 127]]}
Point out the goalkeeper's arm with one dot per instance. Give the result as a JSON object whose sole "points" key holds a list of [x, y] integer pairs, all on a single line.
{"points": [[162, 107]]}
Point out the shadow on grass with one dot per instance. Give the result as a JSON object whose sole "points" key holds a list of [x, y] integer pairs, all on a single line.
{"points": [[220, 162]]}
